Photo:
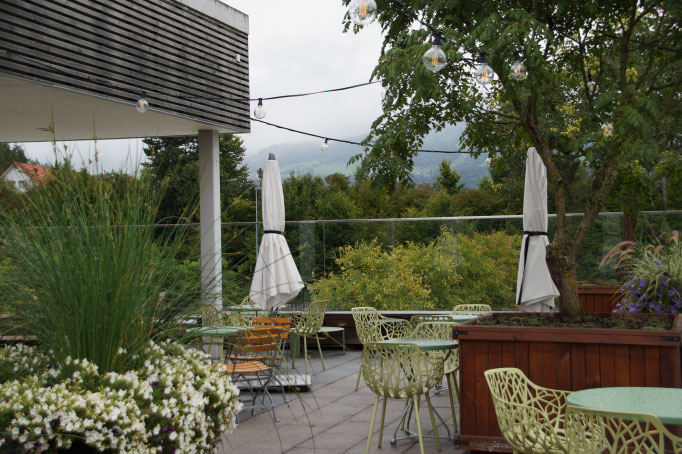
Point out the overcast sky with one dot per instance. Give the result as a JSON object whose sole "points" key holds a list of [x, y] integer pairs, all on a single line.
{"points": [[293, 47]]}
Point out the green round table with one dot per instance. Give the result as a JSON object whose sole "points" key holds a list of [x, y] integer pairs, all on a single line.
{"points": [[462, 317], [664, 403], [216, 331], [425, 344], [244, 308]]}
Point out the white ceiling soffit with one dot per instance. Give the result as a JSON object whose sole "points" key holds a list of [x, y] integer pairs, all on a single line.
{"points": [[32, 112]]}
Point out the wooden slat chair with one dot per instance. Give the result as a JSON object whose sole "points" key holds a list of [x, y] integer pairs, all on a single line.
{"points": [[439, 328], [371, 326], [530, 417], [284, 324], [598, 431], [253, 361]]}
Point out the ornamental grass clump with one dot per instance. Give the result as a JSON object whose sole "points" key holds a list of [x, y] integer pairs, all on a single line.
{"points": [[655, 281], [91, 273]]}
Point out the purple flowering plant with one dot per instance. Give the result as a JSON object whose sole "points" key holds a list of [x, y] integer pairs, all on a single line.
{"points": [[655, 281]]}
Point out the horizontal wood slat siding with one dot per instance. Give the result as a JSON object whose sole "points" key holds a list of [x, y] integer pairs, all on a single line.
{"points": [[598, 298], [565, 362], [121, 48]]}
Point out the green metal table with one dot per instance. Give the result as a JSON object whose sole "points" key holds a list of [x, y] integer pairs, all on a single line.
{"points": [[664, 403], [425, 344], [243, 308], [462, 317], [216, 331]]}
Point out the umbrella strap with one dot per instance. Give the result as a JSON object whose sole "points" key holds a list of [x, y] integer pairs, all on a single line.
{"points": [[276, 232], [528, 233]]}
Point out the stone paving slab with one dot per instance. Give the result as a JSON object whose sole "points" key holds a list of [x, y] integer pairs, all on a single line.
{"points": [[332, 418]]}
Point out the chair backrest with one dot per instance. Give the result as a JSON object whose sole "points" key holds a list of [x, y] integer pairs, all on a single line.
{"points": [[589, 430], [211, 316], [433, 329], [528, 415], [310, 321], [367, 324], [399, 370], [471, 309], [284, 323], [262, 342]]}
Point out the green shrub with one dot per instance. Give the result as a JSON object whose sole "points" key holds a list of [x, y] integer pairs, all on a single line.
{"points": [[438, 275]]}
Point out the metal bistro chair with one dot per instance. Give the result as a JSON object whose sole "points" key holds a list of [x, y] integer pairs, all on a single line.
{"points": [[531, 417], [471, 309], [211, 316], [253, 361], [284, 324], [307, 325], [400, 371], [434, 327], [598, 431]]}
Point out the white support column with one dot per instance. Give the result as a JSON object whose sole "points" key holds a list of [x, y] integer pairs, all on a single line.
{"points": [[211, 258]]}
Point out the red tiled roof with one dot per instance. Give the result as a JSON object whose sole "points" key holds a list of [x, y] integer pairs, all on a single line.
{"points": [[36, 172]]}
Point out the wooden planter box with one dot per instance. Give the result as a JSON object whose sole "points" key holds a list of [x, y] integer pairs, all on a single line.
{"points": [[561, 358], [598, 298]]}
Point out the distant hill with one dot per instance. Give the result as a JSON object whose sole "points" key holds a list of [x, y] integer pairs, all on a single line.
{"points": [[306, 157]]}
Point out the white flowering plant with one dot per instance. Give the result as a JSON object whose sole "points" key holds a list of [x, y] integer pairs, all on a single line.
{"points": [[175, 402]]}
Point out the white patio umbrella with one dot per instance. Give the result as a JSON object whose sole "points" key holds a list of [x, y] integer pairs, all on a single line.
{"points": [[535, 290], [276, 279]]}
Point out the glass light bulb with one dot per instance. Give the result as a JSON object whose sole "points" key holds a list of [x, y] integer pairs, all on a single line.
{"points": [[362, 12], [324, 146], [607, 129], [484, 74], [591, 85], [141, 105], [518, 70], [259, 112], [434, 58]]}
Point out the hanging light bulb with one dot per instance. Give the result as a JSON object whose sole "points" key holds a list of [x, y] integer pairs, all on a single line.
{"points": [[362, 12], [518, 69], [591, 85], [607, 129], [434, 58], [489, 161], [259, 112], [484, 74], [141, 105], [324, 146]]}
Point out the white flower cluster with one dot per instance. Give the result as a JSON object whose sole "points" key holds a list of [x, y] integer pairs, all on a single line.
{"points": [[177, 402]]}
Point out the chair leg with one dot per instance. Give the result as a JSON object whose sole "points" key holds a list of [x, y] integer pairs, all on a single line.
{"points": [[305, 353], [433, 420], [402, 424], [415, 399], [383, 415], [451, 391], [357, 383], [371, 425], [319, 349]]}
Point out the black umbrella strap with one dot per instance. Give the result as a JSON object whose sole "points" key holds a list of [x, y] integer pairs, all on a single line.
{"points": [[276, 232], [528, 234]]}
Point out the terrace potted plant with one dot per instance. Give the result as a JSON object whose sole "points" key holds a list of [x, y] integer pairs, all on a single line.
{"points": [[571, 80], [108, 371]]}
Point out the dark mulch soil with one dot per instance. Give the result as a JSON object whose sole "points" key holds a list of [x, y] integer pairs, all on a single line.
{"points": [[650, 323]]}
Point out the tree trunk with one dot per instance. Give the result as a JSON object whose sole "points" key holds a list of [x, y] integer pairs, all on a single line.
{"points": [[564, 270], [629, 223]]}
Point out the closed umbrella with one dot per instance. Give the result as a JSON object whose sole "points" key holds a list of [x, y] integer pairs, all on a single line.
{"points": [[276, 279], [535, 290]]}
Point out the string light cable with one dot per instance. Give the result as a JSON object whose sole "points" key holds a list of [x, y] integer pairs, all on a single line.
{"points": [[328, 139]]}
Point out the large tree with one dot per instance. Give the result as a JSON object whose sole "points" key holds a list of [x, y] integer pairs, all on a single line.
{"points": [[630, 49]]}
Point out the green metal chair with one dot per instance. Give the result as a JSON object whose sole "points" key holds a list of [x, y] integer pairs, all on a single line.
{"points": [[212, 316], [400, 371], [471, 309], [531, 417], [306, 325], [371, 326], [438, 328], [597, 431]]}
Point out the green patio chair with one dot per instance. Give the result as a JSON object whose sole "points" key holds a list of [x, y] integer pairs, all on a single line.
{"points": [[371, 326], [400, 371], [442, 329], [531, 417], [471, 309], [306, 325], [597, 431]]}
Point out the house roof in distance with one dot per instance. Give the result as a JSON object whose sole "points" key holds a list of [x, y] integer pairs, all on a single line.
{"points": [[36, 172]]}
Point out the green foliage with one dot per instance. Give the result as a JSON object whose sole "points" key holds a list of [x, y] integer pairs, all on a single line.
{"points": [[90, 268], [448, 179], [438, 275], [8, 155]]}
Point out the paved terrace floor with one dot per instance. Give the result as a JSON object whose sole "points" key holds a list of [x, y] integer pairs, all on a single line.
{"points": [[331, 418]]}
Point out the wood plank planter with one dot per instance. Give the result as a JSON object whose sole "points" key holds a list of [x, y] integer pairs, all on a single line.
{"points": [[598, 298], [561, 358]]}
